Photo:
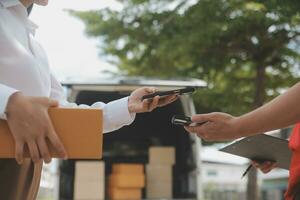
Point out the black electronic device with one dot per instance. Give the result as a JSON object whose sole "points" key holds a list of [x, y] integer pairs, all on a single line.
{"points": [[182, 91]]}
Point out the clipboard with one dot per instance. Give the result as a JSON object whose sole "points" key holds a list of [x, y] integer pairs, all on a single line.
{"points": [[262, 148], [80, 131]]}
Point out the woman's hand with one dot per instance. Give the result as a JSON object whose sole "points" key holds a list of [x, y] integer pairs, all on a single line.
{"points": [[265, 167], [29, 122], [218, 127], [136, 105]]}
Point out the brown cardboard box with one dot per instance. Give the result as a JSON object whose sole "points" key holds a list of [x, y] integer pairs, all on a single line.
{"points": [[125, 194], [127, 181], [80, 130], [157, 190], [128, 169], [158, 173], [89, 180], [162, 155]]}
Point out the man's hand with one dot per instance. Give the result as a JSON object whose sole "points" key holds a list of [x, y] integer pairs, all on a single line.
{"points": [[30, 125], [265, 167], [218, 127], [136, 105]]}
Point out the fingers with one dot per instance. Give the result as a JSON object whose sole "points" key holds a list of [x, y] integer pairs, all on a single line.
{"points": [[260, 165], [53, 103], [265, 167], [55, 141], [145, 104], [44, 151], [33, 131], [202, 131], [34, 152], [47, 101], [167, 100], [19, 152], [266, 170], [190, 129], [150, 105], [154, 103], [150, 89], [193, 129], [203, 117]]}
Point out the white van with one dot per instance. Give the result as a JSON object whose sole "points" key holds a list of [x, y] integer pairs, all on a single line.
{"points": [[131, 143]]}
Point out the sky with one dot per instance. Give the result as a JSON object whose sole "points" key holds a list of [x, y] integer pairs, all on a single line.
{"points": [[71, 53]]}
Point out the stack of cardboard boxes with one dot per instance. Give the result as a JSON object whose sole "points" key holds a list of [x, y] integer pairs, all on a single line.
{"points": [[89, 180], [126, 182], [159, 173]]}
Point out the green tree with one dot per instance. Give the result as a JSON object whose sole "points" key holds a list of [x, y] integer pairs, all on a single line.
{"points": [[245, 50]]}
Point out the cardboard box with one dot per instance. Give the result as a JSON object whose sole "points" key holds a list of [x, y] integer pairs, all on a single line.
{"points": [[89, 190], [89, 180], [162, 155], [125, 194], [159, 173], [157, 190], [127, 181], [128, 169], [80, 130], [90, 170]]}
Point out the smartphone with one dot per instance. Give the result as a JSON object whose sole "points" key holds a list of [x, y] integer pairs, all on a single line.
{"points": [[170, 92], [185, 121]]}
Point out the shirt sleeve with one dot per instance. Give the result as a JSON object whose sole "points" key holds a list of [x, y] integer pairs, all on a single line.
{"points": [[5, 93], [115, 113]]}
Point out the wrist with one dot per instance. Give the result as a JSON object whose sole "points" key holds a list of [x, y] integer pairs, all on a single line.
{"points": [[239, 127], [130, 105], [14, 100]]}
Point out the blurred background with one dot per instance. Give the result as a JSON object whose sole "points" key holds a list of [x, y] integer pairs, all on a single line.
{"points": [[246, 53]]}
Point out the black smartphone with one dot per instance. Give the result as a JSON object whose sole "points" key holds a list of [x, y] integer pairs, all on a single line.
{"points": [[184, 121], [170, 92]]}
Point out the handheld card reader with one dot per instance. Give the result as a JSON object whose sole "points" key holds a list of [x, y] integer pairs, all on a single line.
{"points": [[185, 121], [181, 120]]}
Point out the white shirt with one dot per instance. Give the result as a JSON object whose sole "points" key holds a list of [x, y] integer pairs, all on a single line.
{"points": [[24, 67]]}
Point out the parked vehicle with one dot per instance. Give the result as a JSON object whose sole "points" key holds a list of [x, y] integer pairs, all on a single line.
{"points": [[131, 143]]}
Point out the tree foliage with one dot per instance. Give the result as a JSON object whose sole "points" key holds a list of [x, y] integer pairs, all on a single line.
{"points": [[245, 50]]}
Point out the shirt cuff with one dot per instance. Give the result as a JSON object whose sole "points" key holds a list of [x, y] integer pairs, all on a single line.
{"points": [[119, 113], [9, 3], [5, 93]]}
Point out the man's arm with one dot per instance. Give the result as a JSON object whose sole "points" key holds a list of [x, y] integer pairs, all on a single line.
{"points": [[281, 112], [115, 114], [118, 113]]}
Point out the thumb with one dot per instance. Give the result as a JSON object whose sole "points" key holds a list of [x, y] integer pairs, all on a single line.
{"points": [[150, 89], [203, 117], [53, 103]]}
